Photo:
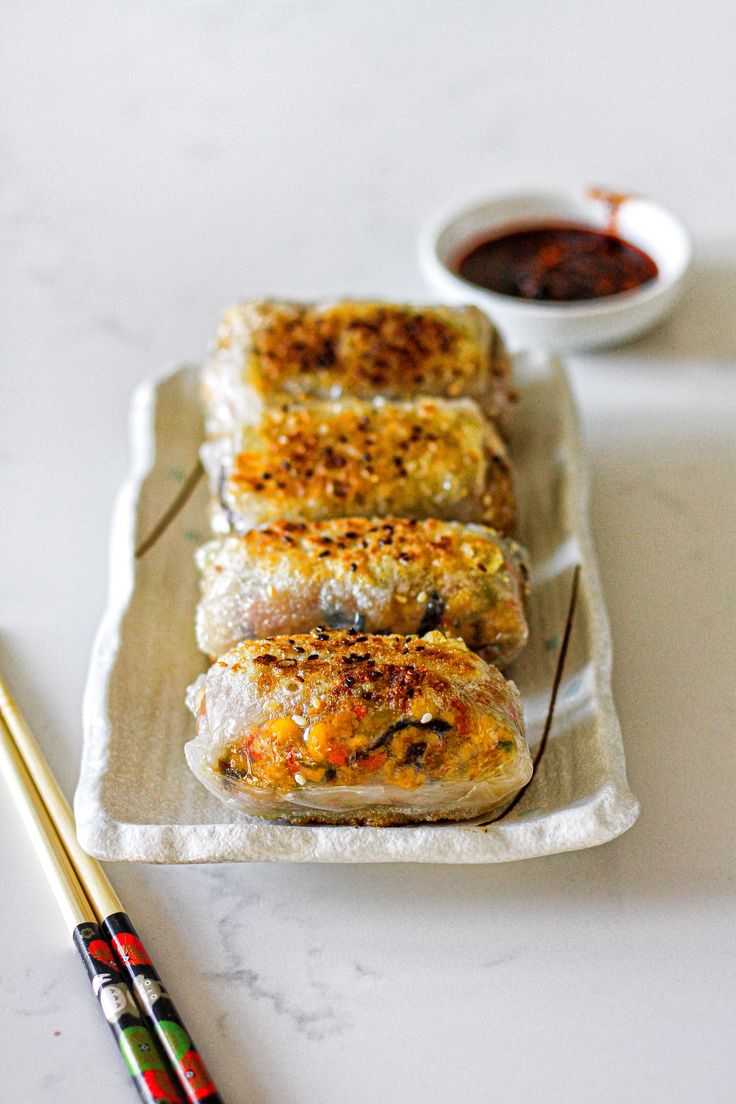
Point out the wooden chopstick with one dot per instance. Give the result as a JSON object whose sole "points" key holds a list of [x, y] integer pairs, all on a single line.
{"points": [[89, 871], [68, 892], [101, 930], [142, 1056]]}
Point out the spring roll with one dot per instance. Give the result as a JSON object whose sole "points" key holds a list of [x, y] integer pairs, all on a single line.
{"points": [[267, 349], [314, 460], [390, 575], [344, 727]]}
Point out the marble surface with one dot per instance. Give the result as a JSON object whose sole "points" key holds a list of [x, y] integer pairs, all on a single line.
{"points": [[159, 159]]}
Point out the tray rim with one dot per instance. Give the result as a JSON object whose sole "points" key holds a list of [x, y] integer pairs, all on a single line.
{"points": [[612, 810]]}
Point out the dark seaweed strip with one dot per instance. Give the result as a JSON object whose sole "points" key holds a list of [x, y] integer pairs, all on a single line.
{"points": [[431, 726], [226, 768], [415, 752], [337, 618], [432, 615]]}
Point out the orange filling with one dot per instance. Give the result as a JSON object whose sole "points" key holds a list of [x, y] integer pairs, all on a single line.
{"points": [[351, 746]]}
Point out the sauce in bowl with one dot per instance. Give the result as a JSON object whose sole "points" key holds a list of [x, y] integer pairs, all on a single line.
{"points": [[556, 262]]}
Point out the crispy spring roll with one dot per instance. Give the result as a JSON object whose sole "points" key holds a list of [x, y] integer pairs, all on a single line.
{"points": [[343, 727], [389, 575], [427, 458], [266, 349]]}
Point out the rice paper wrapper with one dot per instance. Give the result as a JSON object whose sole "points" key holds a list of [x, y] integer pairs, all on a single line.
{"points": [[378, 575], [345, 727]]}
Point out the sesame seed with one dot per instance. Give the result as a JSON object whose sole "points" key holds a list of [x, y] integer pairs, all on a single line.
{"points": [[299, 779], [426, 718], [298, 720], [422, 596], [401, 598]]}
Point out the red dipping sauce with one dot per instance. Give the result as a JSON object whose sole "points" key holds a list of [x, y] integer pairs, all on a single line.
{"points": [[556, 262]]}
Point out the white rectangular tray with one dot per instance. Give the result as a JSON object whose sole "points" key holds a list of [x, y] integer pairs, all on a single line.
{"points": [[137, 799]]}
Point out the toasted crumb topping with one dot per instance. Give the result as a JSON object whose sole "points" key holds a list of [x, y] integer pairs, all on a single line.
{"points": [[364, 348], [425, 458]]}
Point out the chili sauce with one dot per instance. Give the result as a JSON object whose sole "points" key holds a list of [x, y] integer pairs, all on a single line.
{"points": [[556, 262]]}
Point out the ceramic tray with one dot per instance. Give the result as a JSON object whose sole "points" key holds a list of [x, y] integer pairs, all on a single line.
{"points": [[137, 799]]}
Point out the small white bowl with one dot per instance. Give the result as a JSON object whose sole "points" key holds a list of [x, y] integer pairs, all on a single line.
{"points": [[570, 326]]}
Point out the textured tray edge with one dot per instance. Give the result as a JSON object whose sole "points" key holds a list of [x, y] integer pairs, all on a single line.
{"points": [[93, 824]]}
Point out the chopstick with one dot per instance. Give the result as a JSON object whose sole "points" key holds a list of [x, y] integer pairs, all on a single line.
{"points": [[101, 930], [142, 1057]]}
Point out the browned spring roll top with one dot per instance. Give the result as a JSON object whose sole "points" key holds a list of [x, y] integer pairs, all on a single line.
{"points": [[316, 460], [375, 574], [268, 350]]}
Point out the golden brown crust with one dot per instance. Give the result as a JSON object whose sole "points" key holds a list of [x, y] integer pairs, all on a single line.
{"points": [[380, 575], [427, 458], [361, 349], [323, 658]]}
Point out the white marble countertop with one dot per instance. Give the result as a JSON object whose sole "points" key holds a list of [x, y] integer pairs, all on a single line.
{"points": [[160, 159]]}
